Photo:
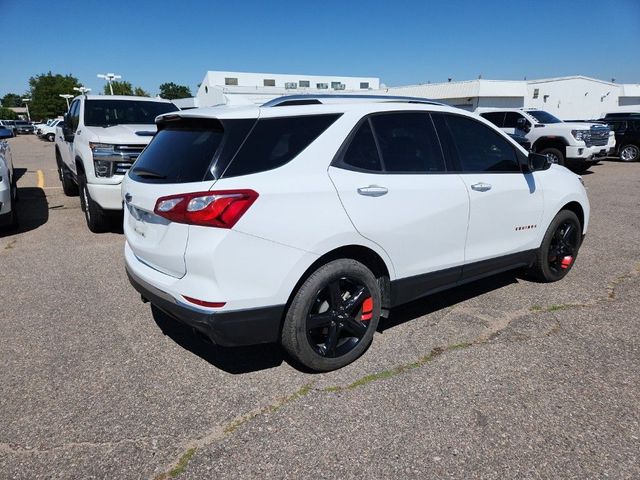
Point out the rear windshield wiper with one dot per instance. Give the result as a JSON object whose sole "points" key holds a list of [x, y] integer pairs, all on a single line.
{"points": [[144, 173]]}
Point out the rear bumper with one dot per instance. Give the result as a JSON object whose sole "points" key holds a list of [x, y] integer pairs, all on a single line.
{"points": [[227, 329]]}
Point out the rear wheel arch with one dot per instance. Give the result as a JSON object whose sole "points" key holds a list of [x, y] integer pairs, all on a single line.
{"points": [[365, 255]]}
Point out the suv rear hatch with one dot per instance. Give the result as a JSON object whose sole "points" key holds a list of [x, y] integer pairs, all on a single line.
{"points": [[186, 155]]}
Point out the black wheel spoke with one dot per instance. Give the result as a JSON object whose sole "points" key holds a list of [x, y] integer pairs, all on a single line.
{"points": [[319, 320], [356, 327], [567, 231], [335, 295], [332, 340], [354, 303]]}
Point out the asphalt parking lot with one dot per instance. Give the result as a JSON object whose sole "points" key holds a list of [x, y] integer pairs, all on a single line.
{"points": [[503, 378]]}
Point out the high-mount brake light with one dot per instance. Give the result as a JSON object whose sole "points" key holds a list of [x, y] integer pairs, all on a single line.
{"points": [[221, 208]]}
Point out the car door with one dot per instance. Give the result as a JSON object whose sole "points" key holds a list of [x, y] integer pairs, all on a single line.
{"points": [[66, 148], [506, 204], [393, 183]]}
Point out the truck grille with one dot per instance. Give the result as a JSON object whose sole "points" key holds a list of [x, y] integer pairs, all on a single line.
{"points": [[129, 154], [599, 136]]}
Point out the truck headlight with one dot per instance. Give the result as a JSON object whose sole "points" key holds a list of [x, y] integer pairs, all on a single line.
{"points": [[104, 158], [581, 135]]}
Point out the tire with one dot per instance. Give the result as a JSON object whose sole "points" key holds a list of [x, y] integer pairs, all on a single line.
{"points": [[13, 222], [629, 153], [342, 300], [96, 220], [51, 137], [555, 155], [69, 187], [559, 249]]}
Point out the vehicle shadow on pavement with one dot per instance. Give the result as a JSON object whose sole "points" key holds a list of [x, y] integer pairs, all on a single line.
{"points": [[234, 360], [32, 208], [448, 298]]}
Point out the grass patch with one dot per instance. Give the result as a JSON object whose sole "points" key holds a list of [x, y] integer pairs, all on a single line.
{"points": [[181, 466], [535, 308], [555, 308]]}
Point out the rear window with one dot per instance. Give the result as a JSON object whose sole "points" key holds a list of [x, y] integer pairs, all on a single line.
{"points": [[105, 113], [273, 142]]}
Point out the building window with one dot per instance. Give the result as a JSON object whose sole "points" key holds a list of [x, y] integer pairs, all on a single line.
{"points": [[269, 82], [364, 85], [231, 81], [322, 86], [290, 85], [536, 92], [304, 83]]}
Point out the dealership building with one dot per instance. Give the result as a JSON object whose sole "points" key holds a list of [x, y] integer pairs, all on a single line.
{"points": [[244, 87], [569, 98]]}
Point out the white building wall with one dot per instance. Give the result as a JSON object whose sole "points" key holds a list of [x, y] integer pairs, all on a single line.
{"points": [[218, 87], [573, 98]]}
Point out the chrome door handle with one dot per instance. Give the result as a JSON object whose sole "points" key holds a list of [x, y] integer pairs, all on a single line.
{"points": [[481, 187], [373, 191]]}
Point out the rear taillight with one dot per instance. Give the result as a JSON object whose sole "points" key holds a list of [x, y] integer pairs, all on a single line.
{"points": [[222, 208]]}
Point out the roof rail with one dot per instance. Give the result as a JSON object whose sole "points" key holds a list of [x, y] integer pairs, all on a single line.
{"points": [[310, 99]]}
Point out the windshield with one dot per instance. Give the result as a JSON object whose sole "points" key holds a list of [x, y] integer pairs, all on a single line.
{"points": [[105, 113], [543, 117]]}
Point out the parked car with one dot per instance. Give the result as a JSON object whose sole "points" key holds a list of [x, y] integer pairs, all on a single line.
{"points": [[8, 186], [306, 219], [100, 138], [10, 124], [48, 132], [576, 145], [22, 127], [627, 132]]}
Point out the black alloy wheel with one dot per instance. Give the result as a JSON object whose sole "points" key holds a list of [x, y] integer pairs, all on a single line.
{"points": [[333, 315], [339, 317], [563, 247]]}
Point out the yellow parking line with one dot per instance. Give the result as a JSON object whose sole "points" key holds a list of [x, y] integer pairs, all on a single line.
{"points": [[40, 174]]}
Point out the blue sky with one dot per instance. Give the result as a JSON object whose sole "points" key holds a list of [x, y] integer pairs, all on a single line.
{"points": [[402, 42]]}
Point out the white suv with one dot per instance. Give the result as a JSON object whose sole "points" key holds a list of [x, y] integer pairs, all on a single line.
{"points": [[306, 219]]}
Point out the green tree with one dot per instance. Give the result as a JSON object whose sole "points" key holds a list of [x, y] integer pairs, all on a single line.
{"points": [[45, 90], [140, 92], [119, 88], [171, 90], [11, 100], [6, 114]]}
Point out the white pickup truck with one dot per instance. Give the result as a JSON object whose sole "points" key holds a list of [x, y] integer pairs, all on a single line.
{"points": [[100, 138], [576, 145], [48, 130]]}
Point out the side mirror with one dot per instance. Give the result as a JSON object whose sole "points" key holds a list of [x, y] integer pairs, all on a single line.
{"points": [[538, 162], [66, 131], [523, 125]]}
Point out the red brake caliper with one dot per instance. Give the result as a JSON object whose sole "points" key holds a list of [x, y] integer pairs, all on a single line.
{"points": [[566, 262], [367, 309]]}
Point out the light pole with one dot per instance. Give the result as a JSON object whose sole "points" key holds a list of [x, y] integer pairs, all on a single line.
{"points": [[109, 77], [82, 90], [66, 96], [26, 104]]}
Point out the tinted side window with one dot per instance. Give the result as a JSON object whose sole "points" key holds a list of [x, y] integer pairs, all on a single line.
{"points": [[274, 142], [511, 119], [479, 148], [74, 115], [362, 152], [408, 142], [497, 118]]}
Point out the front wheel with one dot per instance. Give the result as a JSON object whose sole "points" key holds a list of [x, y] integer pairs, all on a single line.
{"points": [[553, 154], [333, 316], [559, 248], [51, 137], [630, 153], [96, 219]]}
